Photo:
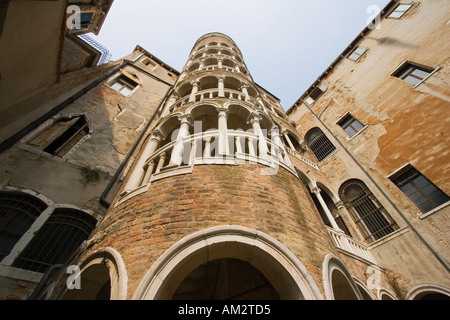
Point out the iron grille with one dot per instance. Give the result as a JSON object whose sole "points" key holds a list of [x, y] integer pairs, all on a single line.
{"points": [[319, 144], [55, 242], [17, 214], [369, 215]]}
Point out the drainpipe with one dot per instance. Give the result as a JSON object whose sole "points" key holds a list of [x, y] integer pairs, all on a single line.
{"points": [[8, 143], [416, 232], [113, 180], [43, 281]]}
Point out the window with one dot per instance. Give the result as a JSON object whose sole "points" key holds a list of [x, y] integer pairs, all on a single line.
{"points": [[315, 94], [56, 240], [61, 136], [319, 144], [149, 63], [17, 213], [357, 53], [399, 11], [419, 189], [124, 85], [412, 73], [351, 125], [369, 215], [85, 19]]}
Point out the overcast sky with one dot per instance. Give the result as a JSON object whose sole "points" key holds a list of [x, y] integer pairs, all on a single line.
{"points": [[286, 44]]}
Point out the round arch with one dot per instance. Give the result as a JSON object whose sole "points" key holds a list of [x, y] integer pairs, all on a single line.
{"points": [[326, 189], [102, 276], [383, 294], [365, 292], [282, 269], [429, 292], [337, 281]]}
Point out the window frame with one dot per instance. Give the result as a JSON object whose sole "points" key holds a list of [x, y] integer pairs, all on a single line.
{"points": [[26, 143], [322, 88], [410, 5], [368, 213], [407, 168], [324, 150], [400, 73], [124, 78], [346, 116], [359, 55]]}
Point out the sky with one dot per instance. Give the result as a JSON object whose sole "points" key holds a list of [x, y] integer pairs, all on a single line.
{"points": [[286, 44]]}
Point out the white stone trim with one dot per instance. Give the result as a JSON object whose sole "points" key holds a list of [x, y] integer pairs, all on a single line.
{"points": [[256, 246]]}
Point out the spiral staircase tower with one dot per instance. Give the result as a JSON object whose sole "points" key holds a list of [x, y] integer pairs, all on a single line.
{"points": [[213, 206]]}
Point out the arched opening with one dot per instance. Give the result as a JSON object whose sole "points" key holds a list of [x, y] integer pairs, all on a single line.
{"points": [[62, 233], [232, 83], [212, 51], [204, 118], [364, 292], [342, 289], [432, 296], [225, 250], [368, 213], [319, 143], [237, 118], [429, 292], [184, 90], [211, 62], [193, 67], [225, 279], [226, 52], [18, 211], [209, 82], [95, 284], [327, 196], [228, 63]]}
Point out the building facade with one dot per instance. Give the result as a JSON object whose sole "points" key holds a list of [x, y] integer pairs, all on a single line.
{"points": [[149, 183]]}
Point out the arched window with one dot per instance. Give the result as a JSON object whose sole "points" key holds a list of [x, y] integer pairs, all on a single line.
{"points": [[370, 216], [319, 144], [56, 240], [17, 214]]}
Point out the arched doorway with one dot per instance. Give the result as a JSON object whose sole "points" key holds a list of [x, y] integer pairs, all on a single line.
{"points": [[225, 279], [223, 250]]}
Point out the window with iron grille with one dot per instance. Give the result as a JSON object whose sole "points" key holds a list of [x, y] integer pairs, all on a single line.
{"points": [[413, 73], [319, 144], [17, 213], [61, 136], [54, 243], [350, 125], [368, 213], [420, 190]]}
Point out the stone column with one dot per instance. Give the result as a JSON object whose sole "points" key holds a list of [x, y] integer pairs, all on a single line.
{"points": [[221, 87], [178, 149], [245, 92], [277, 152], [286, 136], [137, 176], [223, 132], [327, 211], [194, 91], [262, 144]]}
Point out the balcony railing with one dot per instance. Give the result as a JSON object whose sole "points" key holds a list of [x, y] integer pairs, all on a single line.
{"points": [[213, 94], [350, 245], [205, 148]]}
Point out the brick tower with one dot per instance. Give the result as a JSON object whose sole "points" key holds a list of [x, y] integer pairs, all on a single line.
{"points": [[217, 203]]}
